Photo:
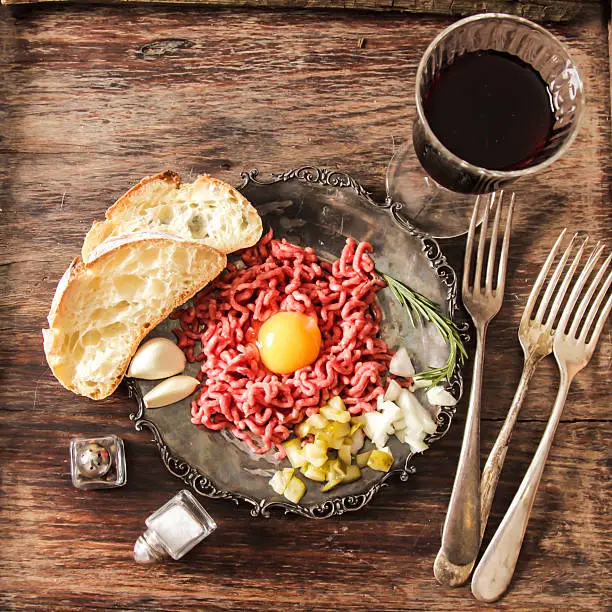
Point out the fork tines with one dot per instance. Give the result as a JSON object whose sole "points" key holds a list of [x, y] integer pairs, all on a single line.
{"points": [[578, 327], [492, 206], [556, 316]]}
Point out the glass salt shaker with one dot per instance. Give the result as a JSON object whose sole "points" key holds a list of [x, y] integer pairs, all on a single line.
{"points": [[174, 529], [97, 463]]}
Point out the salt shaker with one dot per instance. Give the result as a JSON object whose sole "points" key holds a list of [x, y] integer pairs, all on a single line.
{"points": [[174, 529], [97, 463]]}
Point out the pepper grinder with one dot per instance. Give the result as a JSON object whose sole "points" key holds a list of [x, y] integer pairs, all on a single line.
{"points": [[97, 463], [174, 529]]}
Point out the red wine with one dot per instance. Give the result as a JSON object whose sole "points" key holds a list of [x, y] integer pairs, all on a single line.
{"points": [[490, 109]]}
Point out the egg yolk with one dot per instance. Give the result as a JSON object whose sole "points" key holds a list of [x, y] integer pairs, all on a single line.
{"points": [[288, 341]]}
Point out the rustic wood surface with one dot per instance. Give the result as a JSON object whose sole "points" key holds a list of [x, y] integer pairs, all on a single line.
{"points": [[91, 101], [548, 10]]}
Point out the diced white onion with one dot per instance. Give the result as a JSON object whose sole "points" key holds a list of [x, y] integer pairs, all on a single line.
{"points": [[407, 418], [418, 383], [381, 439], [378, 423], [393, 391], [416, 446], [413, 409], [401, 365], [391, 410], [371, 423], [439, 396]]}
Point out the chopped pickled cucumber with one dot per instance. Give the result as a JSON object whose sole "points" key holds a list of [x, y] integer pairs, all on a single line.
{"points": [[277, 482], [333, 414], [281, 479], [358, 420], [344, 454], [317, 421], [380, 460], [335, 443], [355, 426], [303, 429], [337, 403], [323, 437], [334, 434], [338, 430], [318, 474], [316, 453], [336, 473], [330, 484], [357, 441], [352, 473], [295, 452], [295, 490], [335, 469], [362, 459], [333, 428]]}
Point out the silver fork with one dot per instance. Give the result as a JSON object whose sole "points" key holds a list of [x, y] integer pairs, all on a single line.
{"points": [[536, 338], [461, 534], [572, 352]]}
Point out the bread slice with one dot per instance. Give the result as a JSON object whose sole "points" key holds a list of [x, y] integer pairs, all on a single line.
{"points": [[102, 309], [207, 210]]}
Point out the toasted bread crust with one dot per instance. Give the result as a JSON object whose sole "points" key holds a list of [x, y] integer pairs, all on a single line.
{"points": [[115, 215], [96, 235], [78, 269], [167, 176]]}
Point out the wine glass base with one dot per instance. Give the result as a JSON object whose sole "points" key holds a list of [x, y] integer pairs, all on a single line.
{"points": [[429, 206]]}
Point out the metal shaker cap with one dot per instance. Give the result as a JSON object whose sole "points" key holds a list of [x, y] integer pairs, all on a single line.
{"points": [[93, 460]]}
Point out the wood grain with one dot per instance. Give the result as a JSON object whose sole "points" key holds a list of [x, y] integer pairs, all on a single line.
{"points": [[544, 10], [87, 109]]}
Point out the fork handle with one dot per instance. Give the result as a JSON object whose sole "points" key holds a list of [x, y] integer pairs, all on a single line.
{"points": [[496, 568], [446, 572], [461, 534], [497, 456]]}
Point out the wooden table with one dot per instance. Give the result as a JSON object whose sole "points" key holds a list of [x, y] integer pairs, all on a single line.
{"points": [[88, 106]]}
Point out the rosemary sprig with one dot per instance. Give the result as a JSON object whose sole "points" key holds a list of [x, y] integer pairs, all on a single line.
{"points": [[422, 308]]}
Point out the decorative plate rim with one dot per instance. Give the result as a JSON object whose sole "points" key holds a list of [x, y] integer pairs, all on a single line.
{"points": [[337, 506]]}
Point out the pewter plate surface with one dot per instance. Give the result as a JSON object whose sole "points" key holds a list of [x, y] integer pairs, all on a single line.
{"points": [[318, 208]]}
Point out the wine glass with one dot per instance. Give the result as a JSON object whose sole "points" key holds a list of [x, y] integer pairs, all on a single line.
{"points": [[436, 181]]}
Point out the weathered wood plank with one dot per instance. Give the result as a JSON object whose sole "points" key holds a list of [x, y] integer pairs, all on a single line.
{"points": [[379, 558], [540, 10]]}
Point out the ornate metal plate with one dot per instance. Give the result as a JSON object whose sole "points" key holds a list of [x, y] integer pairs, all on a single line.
{"points": [[319, 208]]}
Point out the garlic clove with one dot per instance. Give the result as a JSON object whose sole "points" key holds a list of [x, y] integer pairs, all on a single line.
{"points": [[170, 391], [157, 358]]}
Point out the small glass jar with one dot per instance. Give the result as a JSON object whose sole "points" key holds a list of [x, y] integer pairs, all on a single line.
{"points": [[174, 529], [98, 463]]}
